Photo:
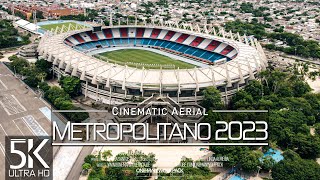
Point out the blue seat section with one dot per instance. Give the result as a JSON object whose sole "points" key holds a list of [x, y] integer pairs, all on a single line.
{"points": [[117, 42], [158, 43], [171, 45], [131, 41], [182, 48], [204, 54], [138, 41], [198, 52], [152, 42]]}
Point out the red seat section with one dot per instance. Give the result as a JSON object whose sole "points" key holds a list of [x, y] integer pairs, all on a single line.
{"points": [[155, 33], [93, 36], [78, 38], [107, 33], [234, 56], [182, 38], [140, 32], [69, 42], [213, 45], [226, 50], [124, 32], [169, 35], [196, 41]]}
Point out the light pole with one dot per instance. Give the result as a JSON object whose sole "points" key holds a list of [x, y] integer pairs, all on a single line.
{"points": [[15, 73]]}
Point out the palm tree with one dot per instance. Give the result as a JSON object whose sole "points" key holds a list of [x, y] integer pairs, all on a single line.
{"points": [[41, 76], [106, 154]]}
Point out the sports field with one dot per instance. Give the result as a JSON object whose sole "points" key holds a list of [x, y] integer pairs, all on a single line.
{"points": [[143, 58], [54, 26]]}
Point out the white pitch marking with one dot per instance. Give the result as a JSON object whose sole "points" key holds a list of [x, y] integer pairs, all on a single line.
{"points": [[26, 125], [19, 103], [5, 87], [4, 107], [1, 145], [18, 127], [11, 105], [3, 130], [2, 149]]}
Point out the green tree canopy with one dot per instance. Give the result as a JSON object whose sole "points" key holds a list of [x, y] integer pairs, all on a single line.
{"points": [[212, 98], [71, 85], [295, 168]]}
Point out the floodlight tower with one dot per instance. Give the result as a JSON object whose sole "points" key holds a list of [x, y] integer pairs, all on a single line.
{"points": [[12, 9], [34, 15]]}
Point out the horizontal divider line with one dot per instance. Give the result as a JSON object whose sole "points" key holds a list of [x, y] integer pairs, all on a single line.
{"points": [[160, 144], [257, 111]]}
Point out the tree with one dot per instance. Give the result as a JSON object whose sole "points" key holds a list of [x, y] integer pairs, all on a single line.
{"points": [[86, 166], [55, 92], [242, 99], [71, 85], [44, 66], [89, 159], [9, 35], [306, 146], [77, 116], [63, 104], [300, 88], [212, 98], [18, 64], [267, 163], [44, 86], [114, 173], [250, 161], [106, 154], [255, 88], [32, 81], [295, 168], [317, 128]]}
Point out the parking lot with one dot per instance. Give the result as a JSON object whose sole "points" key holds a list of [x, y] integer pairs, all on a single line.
{"points": [[19, 112]]}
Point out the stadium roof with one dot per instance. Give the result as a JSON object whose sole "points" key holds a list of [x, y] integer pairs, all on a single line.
{"points": [[250, 60], [22, 22], [27, 26]]}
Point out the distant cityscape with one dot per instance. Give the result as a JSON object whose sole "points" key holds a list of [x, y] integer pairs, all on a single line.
{"points": [[295, 16]]}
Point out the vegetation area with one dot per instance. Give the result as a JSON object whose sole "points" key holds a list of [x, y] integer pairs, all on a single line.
{"points": [[295, 168], [34, 76], [296, 45], [143, 58], [9, 36], [257, 12], [123, 165], [293, 43], [293, 110], [253, 28], [127, 165], [91, 15], [188, 169], [54, 26]]}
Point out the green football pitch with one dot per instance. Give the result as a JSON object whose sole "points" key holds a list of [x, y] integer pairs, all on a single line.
{"points": [[54, 26], [143, 58]]}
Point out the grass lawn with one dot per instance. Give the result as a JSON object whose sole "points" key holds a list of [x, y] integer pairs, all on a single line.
{"points": [[139, 58], [54, 26]]}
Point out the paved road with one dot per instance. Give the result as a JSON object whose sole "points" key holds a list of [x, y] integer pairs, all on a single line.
{"points": [[74, 173]]}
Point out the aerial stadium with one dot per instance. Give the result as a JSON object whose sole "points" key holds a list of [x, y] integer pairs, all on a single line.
{"points": [[120, 62]]}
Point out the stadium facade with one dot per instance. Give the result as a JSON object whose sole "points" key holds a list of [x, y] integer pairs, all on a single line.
{"points": [[229, 60]]}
